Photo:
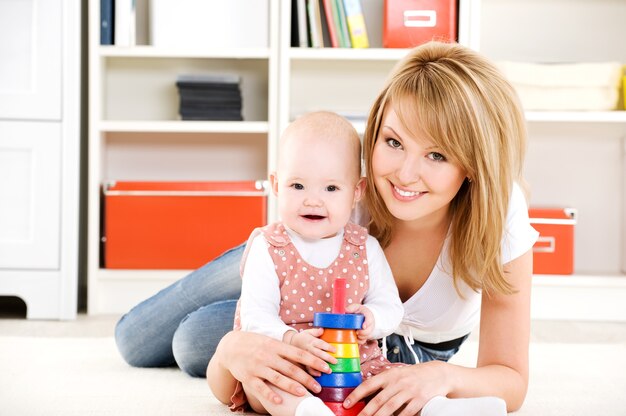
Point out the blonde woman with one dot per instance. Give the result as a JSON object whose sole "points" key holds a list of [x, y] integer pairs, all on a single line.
{"points": [[444, 151]]}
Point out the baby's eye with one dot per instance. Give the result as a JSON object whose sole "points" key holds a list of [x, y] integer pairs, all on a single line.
{"points": [[332, 188], [394, 143], [297, 186], [437, 157]]}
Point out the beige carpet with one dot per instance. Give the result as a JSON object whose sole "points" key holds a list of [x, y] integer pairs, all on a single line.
{"points": [[85, 376]]}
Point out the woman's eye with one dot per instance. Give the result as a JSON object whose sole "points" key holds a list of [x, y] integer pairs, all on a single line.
{"points": [[332, 188], [437, 157], [297, 186], [394, 143]]}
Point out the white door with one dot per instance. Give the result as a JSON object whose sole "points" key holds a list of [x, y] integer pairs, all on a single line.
{"points": [[30, 178], [30, 59]]}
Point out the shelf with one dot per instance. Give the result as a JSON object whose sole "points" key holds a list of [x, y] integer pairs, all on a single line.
{"points": [[156, 52], [179, 126], [588, 117], [576, 116], [367, 54], [581, 281], [127, 274]]}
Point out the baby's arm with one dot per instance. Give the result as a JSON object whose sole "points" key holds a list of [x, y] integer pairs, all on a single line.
{"points": [[260, 293], [382, 298], [369, 322]]}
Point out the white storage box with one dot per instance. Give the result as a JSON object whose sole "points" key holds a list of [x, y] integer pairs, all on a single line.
{"points": [[565, 87], [209, 23]]}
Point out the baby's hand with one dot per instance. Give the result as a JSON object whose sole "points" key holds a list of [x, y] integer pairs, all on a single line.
{"points": [[366, 330], [309, 340]]}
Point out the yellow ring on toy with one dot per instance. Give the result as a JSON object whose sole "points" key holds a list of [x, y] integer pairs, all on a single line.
{"points": [[345, 350]]}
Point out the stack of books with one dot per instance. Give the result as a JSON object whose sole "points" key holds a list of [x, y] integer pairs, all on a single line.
{"points": [[328, 24], [209, 97]]}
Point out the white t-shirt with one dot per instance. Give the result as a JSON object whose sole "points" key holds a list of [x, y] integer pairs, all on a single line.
{"points": [[436, 313], [260, 291]]}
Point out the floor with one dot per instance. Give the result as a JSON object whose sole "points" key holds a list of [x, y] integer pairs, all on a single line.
{"points": [[576, 367]]}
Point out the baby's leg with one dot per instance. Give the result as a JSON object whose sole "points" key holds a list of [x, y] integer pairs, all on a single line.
{"points": [[307, 405]]}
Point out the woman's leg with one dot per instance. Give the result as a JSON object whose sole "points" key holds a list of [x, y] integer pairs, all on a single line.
{"points": [[198, 334], [144, 335]]}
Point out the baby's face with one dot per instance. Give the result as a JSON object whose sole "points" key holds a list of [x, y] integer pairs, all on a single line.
{"points": [[316, 186]]}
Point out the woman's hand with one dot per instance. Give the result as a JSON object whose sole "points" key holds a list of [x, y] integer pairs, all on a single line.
{"points": [[255, 360], [404, 389]]}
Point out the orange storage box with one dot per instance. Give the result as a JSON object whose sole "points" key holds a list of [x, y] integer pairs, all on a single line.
{"points": [[177, 225], [553, 253], [408, 23]]}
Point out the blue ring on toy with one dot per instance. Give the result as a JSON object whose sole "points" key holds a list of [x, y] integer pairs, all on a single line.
{"points": [[339, 379], [338, 320]]}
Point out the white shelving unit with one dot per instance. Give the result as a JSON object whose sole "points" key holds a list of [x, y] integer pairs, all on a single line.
{"points": [[574, 158], [135, 134], [560, 165]]}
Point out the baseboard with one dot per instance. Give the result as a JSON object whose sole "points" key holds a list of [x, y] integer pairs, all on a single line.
{"points": [[579, 298], [575, 298]]}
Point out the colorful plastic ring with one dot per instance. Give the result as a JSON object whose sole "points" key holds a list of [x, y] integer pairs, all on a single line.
{"points": [[338, 320]]}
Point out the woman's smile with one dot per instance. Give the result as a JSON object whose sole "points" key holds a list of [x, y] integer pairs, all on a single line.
{"points": [[405, 194]]}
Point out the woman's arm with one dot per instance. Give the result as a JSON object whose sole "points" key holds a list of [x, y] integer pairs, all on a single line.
{"points": [[502, 367], [258, 360]]}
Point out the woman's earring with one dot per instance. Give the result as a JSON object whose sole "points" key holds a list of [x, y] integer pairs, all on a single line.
{"points": [[469, 180]]}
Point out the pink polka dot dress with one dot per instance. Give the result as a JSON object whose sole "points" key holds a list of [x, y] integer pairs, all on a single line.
{"points": [[306, 289]]}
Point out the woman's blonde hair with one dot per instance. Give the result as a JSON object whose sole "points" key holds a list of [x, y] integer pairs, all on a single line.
{"points": [[462, 103]]}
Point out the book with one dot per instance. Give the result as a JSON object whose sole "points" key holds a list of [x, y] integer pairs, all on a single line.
{"points": [[124, 33], [295, 37], [315, 24], [106, 22], [328, 23], [344, 35], [356, 24], [303, 30]]}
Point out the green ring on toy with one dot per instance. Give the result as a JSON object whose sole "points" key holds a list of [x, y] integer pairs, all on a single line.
{"points": [[339, 379], [338, 320], [346, 365]]}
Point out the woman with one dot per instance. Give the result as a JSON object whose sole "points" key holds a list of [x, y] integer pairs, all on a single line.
{"points": [[444, 149]]}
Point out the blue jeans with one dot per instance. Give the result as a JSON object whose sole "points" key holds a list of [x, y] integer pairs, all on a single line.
{"points": [[183, 323], [399, 352]]}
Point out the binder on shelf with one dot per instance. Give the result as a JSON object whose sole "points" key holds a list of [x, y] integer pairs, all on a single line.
{"points": [[106, 22], [356, 24]]}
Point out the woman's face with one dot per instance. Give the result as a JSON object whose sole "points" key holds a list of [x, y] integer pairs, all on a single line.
{"points": [[414, 178]]}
